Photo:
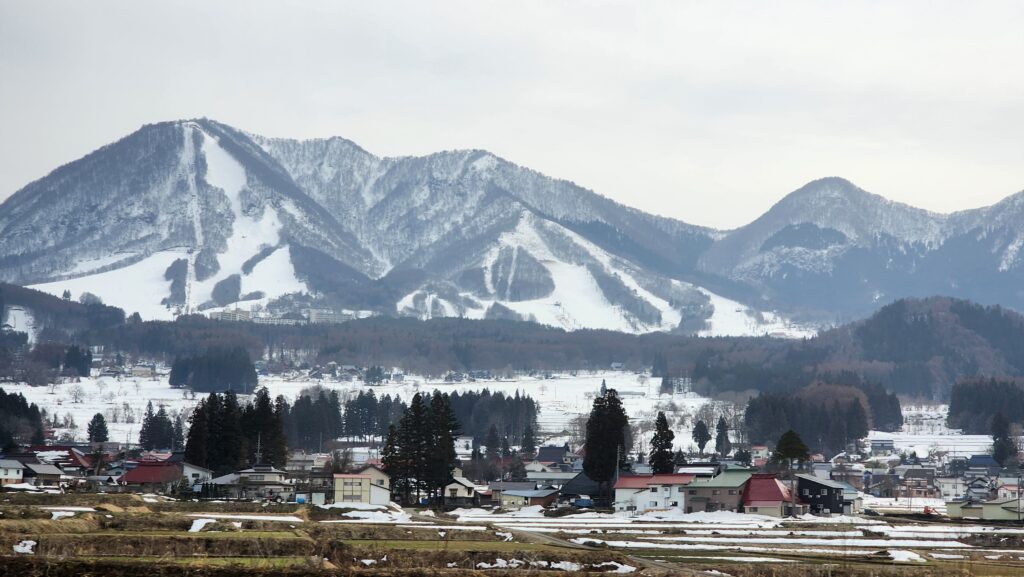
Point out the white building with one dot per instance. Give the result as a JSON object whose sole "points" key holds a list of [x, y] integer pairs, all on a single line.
{"points": [[642, 493], [11, 472]]}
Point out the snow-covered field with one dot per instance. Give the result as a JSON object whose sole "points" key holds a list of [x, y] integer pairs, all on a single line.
{"points": [[562, 398], [924, 431]]}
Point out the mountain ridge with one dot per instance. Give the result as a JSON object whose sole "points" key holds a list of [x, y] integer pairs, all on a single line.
{"points": [[276, 222]]}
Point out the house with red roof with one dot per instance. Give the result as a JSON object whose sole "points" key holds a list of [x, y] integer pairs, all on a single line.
{"points": [[642, 493], [153, 476], [767, 495]]}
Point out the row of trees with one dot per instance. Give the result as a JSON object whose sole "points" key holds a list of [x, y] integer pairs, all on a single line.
{"points": [[828, 426], [973, 403], [20, 422], [159, 430], [419, 452], [223, 434], [217, 369]]}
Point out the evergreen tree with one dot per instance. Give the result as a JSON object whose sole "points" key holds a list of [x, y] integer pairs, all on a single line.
{"points": [[261, 420], [701, 435], [605, 444], [147, 435], [493, 444], [1004, 449], [98, 429], [178, 434], [517, 471], [662, 460], [394, 463], [791, 448], [723, 446], [444, 429], [679, 458], [198, 436], [529, 445]]}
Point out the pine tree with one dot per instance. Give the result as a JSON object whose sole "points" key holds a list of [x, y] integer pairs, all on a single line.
{"points": [[444, 429], [198, 436], [723, 446], [147, 434], [662, 460], [791, 448], [261, 420], [605, 444], [679, 458], [1004, 450], [178, 434], [701, 435], [529, 445], [517, 471], [493, 444], [98, 429], [666, 387]]}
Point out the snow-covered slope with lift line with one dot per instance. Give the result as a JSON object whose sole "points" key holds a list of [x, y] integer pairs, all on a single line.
{"points": [[192, 216]]}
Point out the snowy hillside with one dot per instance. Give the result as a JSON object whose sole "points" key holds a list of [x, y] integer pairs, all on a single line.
{"points": [[193, 216]]}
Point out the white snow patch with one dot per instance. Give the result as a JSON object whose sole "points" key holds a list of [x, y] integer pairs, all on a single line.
{"points": [[25, 547], [198, 524]]}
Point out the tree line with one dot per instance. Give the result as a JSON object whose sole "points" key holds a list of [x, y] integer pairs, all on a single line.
{"points": [[419, 452], [223, 435], [217, 369], [20, 422], [973, 403], [827, 425]]}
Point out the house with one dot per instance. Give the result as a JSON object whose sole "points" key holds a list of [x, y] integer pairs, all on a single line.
{"points": [[193, 474], [723, 492], [264, 482], [554, 454], [882, 446], [349, 488], [460, 491], [760, 452], [11, 472], [550, 477], [699, 470], [377, 476], [42, 474], [512, 498], [1007, 491], [917, 482], [979, 489], [301, 463], [951, 488], [582, 491], [820, 495], [153, 477], [979, 465], [496, 488], [994, 510], [853, 503], [646, 492], [766, 495]]}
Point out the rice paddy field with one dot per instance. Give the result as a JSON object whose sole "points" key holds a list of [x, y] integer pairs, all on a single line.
{"points": [[56, 535]]}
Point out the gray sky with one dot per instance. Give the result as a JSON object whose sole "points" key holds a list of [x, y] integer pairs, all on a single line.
{"points": [[707, 112]]}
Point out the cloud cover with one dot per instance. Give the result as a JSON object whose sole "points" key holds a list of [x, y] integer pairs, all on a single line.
{"points": [[708, 112]]}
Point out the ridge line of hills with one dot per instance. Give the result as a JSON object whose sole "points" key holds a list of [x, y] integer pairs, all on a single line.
{"points": [[197, 216]]}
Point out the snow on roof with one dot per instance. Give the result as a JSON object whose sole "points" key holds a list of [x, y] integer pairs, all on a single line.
{"points": [[534, 494], [644, 481]]}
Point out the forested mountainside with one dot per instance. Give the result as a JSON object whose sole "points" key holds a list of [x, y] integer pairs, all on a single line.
{"points": [[192, 216], [917, 348]]}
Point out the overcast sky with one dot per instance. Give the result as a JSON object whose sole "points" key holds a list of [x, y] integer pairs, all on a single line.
{"points": [[707, 112]]}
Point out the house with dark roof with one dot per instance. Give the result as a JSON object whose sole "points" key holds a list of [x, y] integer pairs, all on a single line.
{"points": [[582, 491], [647, 492], [554, 454], [512, 498], [42, 474], [820, 495], [766, 495]]}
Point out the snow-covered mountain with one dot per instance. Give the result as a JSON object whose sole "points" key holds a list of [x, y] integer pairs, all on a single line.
{"points": [[196, 215], [832, 249]]}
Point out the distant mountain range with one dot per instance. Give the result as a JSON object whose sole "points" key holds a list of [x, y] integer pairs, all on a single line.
{"points": [[198, 216]]}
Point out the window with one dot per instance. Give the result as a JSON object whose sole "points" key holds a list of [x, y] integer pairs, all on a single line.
{"points": [[752, 509], [653, 504], [807, 491], [667, 489], [453, 492], [732, 491], [824, 491], [654, 489], [693, 491], [716, 492]]}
